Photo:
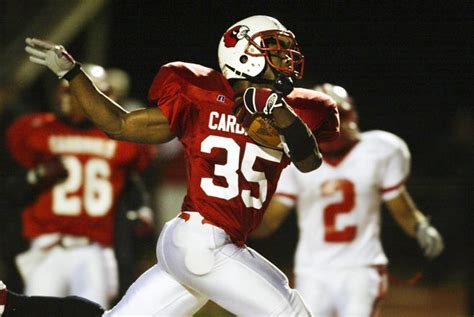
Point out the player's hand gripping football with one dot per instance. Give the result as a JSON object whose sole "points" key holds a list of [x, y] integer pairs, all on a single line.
{"points": [[51, 55], [48, 173], [429, 239], [256, 100]]}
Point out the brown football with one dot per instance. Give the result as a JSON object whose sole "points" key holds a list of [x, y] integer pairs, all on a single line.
{"points": [[262, 131]]}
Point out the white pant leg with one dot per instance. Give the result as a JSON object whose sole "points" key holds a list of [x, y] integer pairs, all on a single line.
{"points": [[202, 257], [89, 276], [317, 292], [351, 292], [362, 290], [79, 271], [49, 275], [155, 293]]}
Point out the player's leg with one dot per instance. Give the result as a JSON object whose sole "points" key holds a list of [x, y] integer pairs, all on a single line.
{"points": [[88, 276], [49, 275], [317, 290], [362, 291], [202, 257], [16, 305], [253, 286], [156, 293]]}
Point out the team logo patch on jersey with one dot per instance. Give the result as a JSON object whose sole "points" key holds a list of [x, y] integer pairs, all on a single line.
{"points": [[235, 34], [220, 98]]}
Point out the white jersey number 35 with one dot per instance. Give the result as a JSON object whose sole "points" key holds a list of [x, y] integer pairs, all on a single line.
{"points": [[230, 168]]}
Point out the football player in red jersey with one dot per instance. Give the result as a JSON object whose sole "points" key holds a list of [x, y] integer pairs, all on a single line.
{"points": [[201, 253], [76, 175]]}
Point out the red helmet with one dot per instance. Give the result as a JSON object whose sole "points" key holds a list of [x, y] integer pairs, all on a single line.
{"points": [[349, 128], [66, 107]]}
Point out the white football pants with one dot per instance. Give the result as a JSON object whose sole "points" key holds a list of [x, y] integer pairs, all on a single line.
{"points": [[349, 292], [198, 262], [88, 271]]}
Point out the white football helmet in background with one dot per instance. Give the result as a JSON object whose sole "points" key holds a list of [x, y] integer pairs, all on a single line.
{"points": [[246, 48], [62, 99], [349, 119]]}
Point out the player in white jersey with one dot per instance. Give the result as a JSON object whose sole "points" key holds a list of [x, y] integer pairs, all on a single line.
{"points": [[340, 262]]}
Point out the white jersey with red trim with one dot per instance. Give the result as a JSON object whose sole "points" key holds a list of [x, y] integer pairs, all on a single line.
{"points": [[339, 206]]}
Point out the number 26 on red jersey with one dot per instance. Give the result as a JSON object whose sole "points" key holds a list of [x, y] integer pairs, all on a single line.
{"points": [[93, 177]]}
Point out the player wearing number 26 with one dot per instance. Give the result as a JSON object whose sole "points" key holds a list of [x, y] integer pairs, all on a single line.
{"points": [[201, 253], [339, 262], [76, 174]]}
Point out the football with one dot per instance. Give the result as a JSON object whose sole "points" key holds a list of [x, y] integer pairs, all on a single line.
{"points": [[262, 130]]}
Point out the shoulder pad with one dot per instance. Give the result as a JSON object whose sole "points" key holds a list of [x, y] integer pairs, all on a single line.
{"points": [[179, 77]]}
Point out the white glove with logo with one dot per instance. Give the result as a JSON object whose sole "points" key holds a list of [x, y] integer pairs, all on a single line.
{"points": [[429, 239], [55, 57]]}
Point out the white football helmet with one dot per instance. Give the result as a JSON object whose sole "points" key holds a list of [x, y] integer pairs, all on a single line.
{"points": [[247, 46]]}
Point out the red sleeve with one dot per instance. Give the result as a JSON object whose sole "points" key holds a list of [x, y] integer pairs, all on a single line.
{"points": [[16, 140], [168, 92], [329, 128], [318, 111]]}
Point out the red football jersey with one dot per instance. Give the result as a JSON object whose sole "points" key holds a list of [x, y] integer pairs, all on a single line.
{"points": [[230, 178], [85, 202]]}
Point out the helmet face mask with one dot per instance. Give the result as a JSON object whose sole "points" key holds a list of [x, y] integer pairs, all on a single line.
{"points": [[279, 44], [253, 44]]}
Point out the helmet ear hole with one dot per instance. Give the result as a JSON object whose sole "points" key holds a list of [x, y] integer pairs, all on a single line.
{"points": [[244, 59]]}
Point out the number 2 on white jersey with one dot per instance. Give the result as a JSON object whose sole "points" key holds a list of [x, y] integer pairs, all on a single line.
{"points": [[346, 205], [93, 177], [230, 168]]}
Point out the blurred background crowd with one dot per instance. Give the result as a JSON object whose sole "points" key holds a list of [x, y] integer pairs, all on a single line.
{"points": [[408, 67]]}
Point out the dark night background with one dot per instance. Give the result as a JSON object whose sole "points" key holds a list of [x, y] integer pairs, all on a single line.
{"points": [[408, 65]]}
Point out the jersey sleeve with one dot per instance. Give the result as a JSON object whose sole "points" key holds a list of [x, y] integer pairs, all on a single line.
{"points": [[287, 188], [329, 128], [16, 143], [319, 112], [168, 93], [396, 167]]}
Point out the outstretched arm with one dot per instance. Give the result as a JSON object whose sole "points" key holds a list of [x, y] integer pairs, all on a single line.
{"points": [[143, 126], [415, 224]]}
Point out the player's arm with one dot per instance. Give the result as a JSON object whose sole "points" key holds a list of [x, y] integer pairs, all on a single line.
{"points": [[404, 211], [301, 145], [144, 126], [415, 223], [274, 216]]}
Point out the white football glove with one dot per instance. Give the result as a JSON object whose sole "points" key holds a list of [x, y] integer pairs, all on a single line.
{"points": [[429, 239], [55, 57]]}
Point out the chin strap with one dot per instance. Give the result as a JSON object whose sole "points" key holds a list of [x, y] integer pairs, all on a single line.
{"points": [[283, 84]]}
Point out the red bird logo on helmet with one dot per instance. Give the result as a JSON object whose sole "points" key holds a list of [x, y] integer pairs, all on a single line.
{"points": [[235, 34]]}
